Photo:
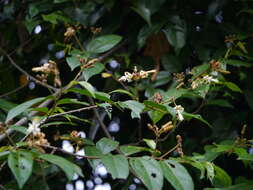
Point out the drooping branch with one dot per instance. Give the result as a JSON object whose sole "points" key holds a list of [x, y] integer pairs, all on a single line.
{"points": [[24, 120]]}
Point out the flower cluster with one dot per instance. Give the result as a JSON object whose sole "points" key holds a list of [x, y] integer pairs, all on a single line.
{"points": [[47, 69], [207, 79], [76, 137], [36, 137], [164, 129], [69, 33], [33, 127], [135, 76], [216, 66]]}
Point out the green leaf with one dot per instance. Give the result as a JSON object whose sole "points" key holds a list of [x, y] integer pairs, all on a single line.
{"points": [[176, 33], [74, 59], [93, 151], [143, 11], [210, 155], [88, 87], [177, 175], [30, 24], [55, 17], [146, 31], [20, 129], [117, 166], [21, 165], [156, 116], [6, 105], [220, 102], [149, 171], [198, 70], [151, 143], [98, 95], [106, 145], [189, 116], [236, 63], [134, 106], [94, 70], [122, 91], [221, 178], [209, 170], [57, 123], [21, 108], [155, 106], [163, 77], [232, 86], [242, 186], [129, 150], [246, 156], [71, 101], [103, 43], [68, 167], [146, 8]]}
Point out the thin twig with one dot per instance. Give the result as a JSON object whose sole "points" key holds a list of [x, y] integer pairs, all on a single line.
{"points": [[26, 73], [66, 152], [101, 123], [13, 91], [167, 153], [2, 165], [73, 111]]}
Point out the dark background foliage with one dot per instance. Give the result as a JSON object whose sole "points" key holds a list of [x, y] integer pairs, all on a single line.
{"points": [[179, 34]]}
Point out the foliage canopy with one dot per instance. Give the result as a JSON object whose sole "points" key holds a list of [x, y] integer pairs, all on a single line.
{"points": [[157, 91]]}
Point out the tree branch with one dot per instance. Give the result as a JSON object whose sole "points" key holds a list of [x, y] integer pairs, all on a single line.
{"points": [[13, 91], [24, 120], [69, 153], [73, 111], [26, 73]]}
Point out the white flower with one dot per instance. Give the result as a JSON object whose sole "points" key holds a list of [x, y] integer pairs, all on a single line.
{"points": [[81, 153], [179, 110], [34, 127], [210, 79], [67, 146], [127, 77]]}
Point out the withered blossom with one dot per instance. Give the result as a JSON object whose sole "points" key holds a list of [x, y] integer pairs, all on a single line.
{"points": [[47, 69]]}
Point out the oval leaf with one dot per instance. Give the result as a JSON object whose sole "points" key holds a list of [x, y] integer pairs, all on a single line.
{"points": [[177, 175], [117, 166], [149, 171], [21, 164], [103, 43], [134, 106], [68, 167], [21, 108], [88, 87], [94, 70], [106, 145]]}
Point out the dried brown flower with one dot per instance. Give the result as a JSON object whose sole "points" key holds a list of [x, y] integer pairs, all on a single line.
{"points": [[179, 145], [179, 77], [70, 32], [158, 98], [95, 30], [46, 70]]}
